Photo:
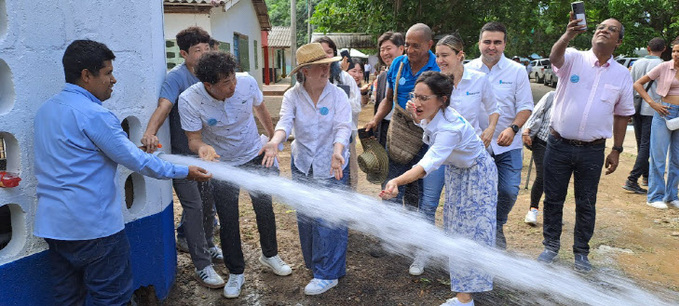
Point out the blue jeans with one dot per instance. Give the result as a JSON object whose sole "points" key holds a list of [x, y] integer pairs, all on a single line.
{"points": [[91, 272], [324, 246], [432, 185], [663, 139], [585, 163], [411, 201], [508, 180]]}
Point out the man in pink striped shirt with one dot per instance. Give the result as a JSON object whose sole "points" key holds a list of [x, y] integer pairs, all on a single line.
{"points": [[592, 103]]}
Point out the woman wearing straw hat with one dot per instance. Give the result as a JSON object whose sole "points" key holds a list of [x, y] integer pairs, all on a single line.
{"points": [[472, 97], [319, 113], [470, 177]]}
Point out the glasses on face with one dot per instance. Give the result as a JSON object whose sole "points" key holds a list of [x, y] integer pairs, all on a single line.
{"points": [[601, 27], [422, 98]]}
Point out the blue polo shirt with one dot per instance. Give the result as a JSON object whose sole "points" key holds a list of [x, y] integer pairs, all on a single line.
{"points": [[78, 146], [407, 81]]}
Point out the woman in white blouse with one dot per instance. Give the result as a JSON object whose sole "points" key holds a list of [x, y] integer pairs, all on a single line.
{"points": [[470, 177], [320, 114]]}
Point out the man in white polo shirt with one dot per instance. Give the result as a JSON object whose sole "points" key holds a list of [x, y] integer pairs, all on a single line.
{"points": [[593, 99], [217, 116], [511, 86]]}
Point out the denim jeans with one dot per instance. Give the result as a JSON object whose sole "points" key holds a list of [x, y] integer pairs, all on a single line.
{"points": [[91, 272], [324, 246], [226, 200], [662, 140], [405, 192], [585, 164], [432, 185], [539, 148], [642, 133], [508, 180]]}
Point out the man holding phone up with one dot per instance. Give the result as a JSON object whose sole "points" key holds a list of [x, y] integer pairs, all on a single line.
{"points": [[594, 98]]}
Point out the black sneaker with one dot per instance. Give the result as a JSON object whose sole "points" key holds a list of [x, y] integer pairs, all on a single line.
{"points": [[582, 263], [547, 256], [633, 187]]}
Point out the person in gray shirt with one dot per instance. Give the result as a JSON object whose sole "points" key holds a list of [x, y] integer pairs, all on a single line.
{"points": [[644, 115]]}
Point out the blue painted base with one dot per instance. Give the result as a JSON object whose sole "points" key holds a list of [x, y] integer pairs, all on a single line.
{"points": [[153, 258]]}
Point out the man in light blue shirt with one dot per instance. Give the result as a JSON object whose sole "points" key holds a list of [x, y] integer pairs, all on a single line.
{"points": [[78, 145]]}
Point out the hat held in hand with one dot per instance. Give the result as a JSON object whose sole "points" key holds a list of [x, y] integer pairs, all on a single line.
{"points": [[374, 160], [310, 54]]}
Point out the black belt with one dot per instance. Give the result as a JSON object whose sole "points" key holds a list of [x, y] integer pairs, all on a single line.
{"points": [[577, 143]]}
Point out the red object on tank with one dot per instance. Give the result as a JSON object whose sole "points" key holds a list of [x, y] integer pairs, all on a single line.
{"points": [[9, 180]]}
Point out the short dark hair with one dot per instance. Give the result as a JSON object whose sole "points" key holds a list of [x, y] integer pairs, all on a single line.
{"points": [[494, 26], [85, 54], [675, 41], [656, 44], [355, 62], [327, 40], [190, 37], [395, 38], [439, 84], [215, 66]]}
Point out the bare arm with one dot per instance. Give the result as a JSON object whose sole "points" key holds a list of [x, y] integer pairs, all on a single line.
{"points": [[382, 110], [262, 114], [619, 129], [639, 87], [391, 188], [507, 135], [556, 56], [196, 145], [149, 139]]}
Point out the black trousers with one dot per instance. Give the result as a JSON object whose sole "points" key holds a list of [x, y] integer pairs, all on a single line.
{"points": [[226, 201]]}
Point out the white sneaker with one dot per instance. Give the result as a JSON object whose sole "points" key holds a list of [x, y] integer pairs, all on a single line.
{"points": [[417, 267], [317, 286], [182, 245], [455, 302], [674, 204], [208, 277], [216, 254], [531, 217], [276, 264], [657, 204], [233, 286]]}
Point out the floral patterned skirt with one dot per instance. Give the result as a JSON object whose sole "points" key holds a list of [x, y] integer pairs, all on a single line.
{"points": [[470, 212]]}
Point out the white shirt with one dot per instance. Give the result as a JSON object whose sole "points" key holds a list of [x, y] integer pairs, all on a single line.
{"points": [[512, 88], [452, 141], [228, 126], [588, 95], [354, 97], [317, 127], [473, 97]]}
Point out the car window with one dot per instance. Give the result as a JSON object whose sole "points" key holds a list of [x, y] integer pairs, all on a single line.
{"points": [[621, 61], [631, 62]]}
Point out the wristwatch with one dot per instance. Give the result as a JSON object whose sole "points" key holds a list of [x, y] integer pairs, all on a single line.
{"points": [[618, 148], [515, 128]]}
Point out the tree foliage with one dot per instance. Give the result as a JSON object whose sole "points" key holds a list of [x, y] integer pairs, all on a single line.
{"points": [[533, 26], [279, 14]]}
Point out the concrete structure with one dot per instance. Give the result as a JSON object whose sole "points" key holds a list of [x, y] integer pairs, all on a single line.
{"points": [[279, 51], [33, 37], [237, 24]]}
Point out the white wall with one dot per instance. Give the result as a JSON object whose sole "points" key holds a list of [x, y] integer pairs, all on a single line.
{"points": [[32, 43], [174, 23], [240, 18]]}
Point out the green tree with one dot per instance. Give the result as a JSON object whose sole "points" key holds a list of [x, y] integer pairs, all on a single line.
{"points": [[533, 26], [279, 14]]}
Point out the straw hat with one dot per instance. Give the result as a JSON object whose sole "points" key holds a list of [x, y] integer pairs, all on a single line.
{"points": [[374, 160], [312, 53]]}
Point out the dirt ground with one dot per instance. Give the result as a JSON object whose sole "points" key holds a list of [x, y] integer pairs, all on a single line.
{"points": [[640, 242]]}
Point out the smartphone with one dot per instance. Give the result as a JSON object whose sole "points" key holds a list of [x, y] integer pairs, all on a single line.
{"points": [[345, 53], [579, 12]]}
